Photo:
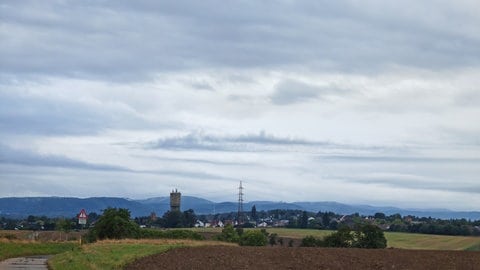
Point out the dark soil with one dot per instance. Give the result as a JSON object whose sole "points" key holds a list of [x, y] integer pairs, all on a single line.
{"points": [[223, 257]]}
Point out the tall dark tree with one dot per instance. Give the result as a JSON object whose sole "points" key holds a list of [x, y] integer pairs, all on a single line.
{"points": [[189, 218], [325, 220], [304, 220], [173, 219], [254, 213]]}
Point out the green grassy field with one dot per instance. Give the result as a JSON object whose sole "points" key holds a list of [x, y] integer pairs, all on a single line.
{"points": [[395, 240], [116, 254], [106, 255], [11, 249], [428, 241]]}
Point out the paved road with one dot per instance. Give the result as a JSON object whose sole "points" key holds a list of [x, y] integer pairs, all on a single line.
{"points": [[31, 262]]}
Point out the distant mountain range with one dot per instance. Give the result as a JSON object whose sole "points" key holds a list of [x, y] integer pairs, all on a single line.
{"points": [[69, 207]]}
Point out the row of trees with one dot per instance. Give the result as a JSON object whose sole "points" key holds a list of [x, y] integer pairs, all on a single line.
{"points": [[170, 219], [116, 224], [294, 218], [435, 228], [244, 238]]}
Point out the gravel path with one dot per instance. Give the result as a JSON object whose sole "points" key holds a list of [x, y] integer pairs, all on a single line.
{"points": [[31, 262]]}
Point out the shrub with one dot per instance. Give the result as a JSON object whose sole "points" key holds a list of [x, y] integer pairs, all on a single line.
{"points": [[341, 238], [229, 234], [239, 231], [309, 241], [272, 239], [290, 243], [253, 238]]}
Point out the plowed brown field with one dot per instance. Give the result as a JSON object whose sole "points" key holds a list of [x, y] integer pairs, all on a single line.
{"points": [[218, 257]]}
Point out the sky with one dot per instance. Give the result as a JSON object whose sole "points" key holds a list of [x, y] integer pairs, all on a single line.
{"points": [[360, 102]]}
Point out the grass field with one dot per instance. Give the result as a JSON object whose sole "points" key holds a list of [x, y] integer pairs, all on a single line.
{"points": [[11, 249], [435, 242], [116, 254], [394, 239]]}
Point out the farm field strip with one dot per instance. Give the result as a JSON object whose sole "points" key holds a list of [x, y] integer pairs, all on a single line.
{"points": [[254, 258], [111, 254], [394, 239]]}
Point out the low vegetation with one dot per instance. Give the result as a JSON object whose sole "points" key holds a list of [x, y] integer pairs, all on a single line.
{"points": [[229, 234], [367, 236], [169, 234], [253, 238], [250, 237]]}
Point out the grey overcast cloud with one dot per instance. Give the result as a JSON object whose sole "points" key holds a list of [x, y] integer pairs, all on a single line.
{"points": [[364, 102]]}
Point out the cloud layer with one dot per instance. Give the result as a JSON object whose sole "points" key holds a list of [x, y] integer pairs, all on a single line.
{"points": [[369, 102], [126, 41]]}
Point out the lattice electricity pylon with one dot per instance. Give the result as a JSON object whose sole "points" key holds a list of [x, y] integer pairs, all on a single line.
{"points": [[240, 219]]}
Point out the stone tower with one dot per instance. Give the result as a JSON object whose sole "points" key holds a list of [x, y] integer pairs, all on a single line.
{"points": [[175, 198]]}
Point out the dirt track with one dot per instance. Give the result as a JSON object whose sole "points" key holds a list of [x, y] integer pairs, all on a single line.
{"points": [[216, 257]]}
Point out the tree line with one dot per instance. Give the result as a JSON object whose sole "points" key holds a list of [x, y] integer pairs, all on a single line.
{"points": [[332, 221], [290, 219]]}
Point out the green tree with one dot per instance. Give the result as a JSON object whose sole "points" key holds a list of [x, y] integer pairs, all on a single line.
{"points": [[114, 224], [304, 220], [325, 219], [309, 241], [370, 236], [253, 238], [229, 234], [173, 219], [254, 213], [341, 238], [189, 218], [365, 236]]}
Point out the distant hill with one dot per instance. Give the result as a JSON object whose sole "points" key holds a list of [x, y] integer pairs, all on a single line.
{"points": [[69, 207], [371, 210], [65, 206]]}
